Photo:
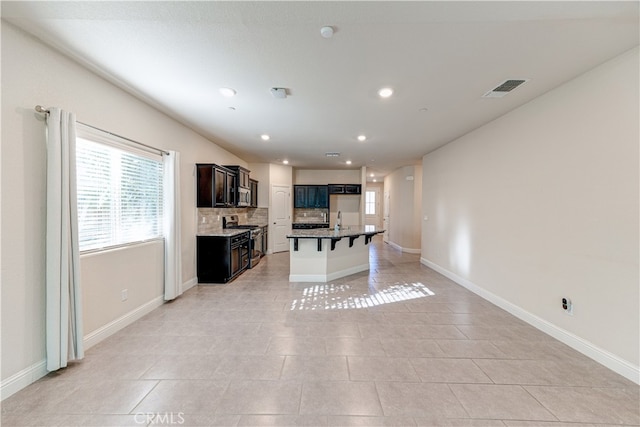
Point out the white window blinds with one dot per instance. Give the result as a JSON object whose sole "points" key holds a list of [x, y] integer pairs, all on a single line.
{"points": [[119, 196]]}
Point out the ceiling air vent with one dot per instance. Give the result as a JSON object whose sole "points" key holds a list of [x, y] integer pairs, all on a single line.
{"points": [[504, 88], [278, 92], [332, 154]]}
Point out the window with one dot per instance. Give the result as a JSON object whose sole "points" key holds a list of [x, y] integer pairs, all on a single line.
{"points": [[370, 203], [119, 195]]}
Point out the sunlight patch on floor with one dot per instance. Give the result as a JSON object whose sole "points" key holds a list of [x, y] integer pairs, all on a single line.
{"points": [[331, 297]]}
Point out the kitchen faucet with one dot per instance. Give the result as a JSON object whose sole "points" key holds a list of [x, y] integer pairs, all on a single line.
{"points": [[339, 221]]}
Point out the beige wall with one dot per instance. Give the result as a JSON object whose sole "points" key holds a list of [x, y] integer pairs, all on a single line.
{"points": [[280, 175], [543, 204], [349, 207], [136, 271], [322, 177], [34, 74], [405, 194]]}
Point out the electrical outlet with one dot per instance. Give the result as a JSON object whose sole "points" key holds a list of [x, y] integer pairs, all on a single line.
{"points": [[124, 295], [567, 306]]}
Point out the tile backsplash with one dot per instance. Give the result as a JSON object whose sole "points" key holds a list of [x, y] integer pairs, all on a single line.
{"points": [[210, 219], [310, 215], [258, 216]]}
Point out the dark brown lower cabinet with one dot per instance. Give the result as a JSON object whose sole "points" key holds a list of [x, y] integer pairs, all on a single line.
{"points": [[221, 258]]}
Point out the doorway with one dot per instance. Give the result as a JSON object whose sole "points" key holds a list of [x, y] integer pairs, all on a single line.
{"points": [[372, 206], [280, 217]]}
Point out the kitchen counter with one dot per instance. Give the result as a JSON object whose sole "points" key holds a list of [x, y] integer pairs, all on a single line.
{"points": [[259, 224], [322, 255], [330, 233], [225, 232], [309, 225]]}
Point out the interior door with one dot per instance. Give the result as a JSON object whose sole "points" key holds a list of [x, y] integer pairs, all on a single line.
{"points": [[281, 217]]}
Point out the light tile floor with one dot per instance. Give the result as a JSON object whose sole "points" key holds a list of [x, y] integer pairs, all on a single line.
{"points": [[399, 345]]}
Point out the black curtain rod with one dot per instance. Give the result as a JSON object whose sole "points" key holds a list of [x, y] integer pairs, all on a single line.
{"points": [[41, 109]]}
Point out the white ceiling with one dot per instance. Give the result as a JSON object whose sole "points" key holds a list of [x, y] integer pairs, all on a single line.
{"points": [[442, 56]]}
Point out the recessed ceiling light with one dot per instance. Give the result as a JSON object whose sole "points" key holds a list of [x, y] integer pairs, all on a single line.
{"points": [[348, 162], [372, 175], [265, 137], [286, 162], [326, 32], [385, 92], [375, 180], [423, 110], [362, 138], [232, 108], [227, 92]]}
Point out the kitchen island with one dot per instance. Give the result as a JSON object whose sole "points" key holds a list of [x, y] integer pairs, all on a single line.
{"points": [[322, 255]]}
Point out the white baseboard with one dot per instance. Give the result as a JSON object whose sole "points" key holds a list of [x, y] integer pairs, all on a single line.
{"points": [[38, 370], [189, 284], [346, 272], [328, 277], [111, 328], [394, 245], [34, 372], [20, 380], [411, 251], [307, 278], [605, 358], [120, 323], [402, 249]]}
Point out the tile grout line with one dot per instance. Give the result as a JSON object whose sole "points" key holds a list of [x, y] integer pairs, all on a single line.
{"points": [[144, 397], [540, 403]]}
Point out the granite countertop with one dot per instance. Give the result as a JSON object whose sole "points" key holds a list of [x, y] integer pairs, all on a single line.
{"points": [[311, 222], [314, 224], [330, 233], [225, 232]]}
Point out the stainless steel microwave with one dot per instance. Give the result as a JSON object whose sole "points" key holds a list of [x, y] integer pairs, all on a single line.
{"points": [[244, 197]]}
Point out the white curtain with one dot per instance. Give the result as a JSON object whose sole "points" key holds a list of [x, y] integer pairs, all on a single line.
{"points": [[63, 299], [172, 245]]}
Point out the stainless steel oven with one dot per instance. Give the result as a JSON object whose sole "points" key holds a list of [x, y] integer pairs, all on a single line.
{"points": [[240, 248], [254, 246]]}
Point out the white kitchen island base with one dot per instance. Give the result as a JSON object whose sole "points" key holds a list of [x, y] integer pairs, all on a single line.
{"points": [[324, 255]]}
